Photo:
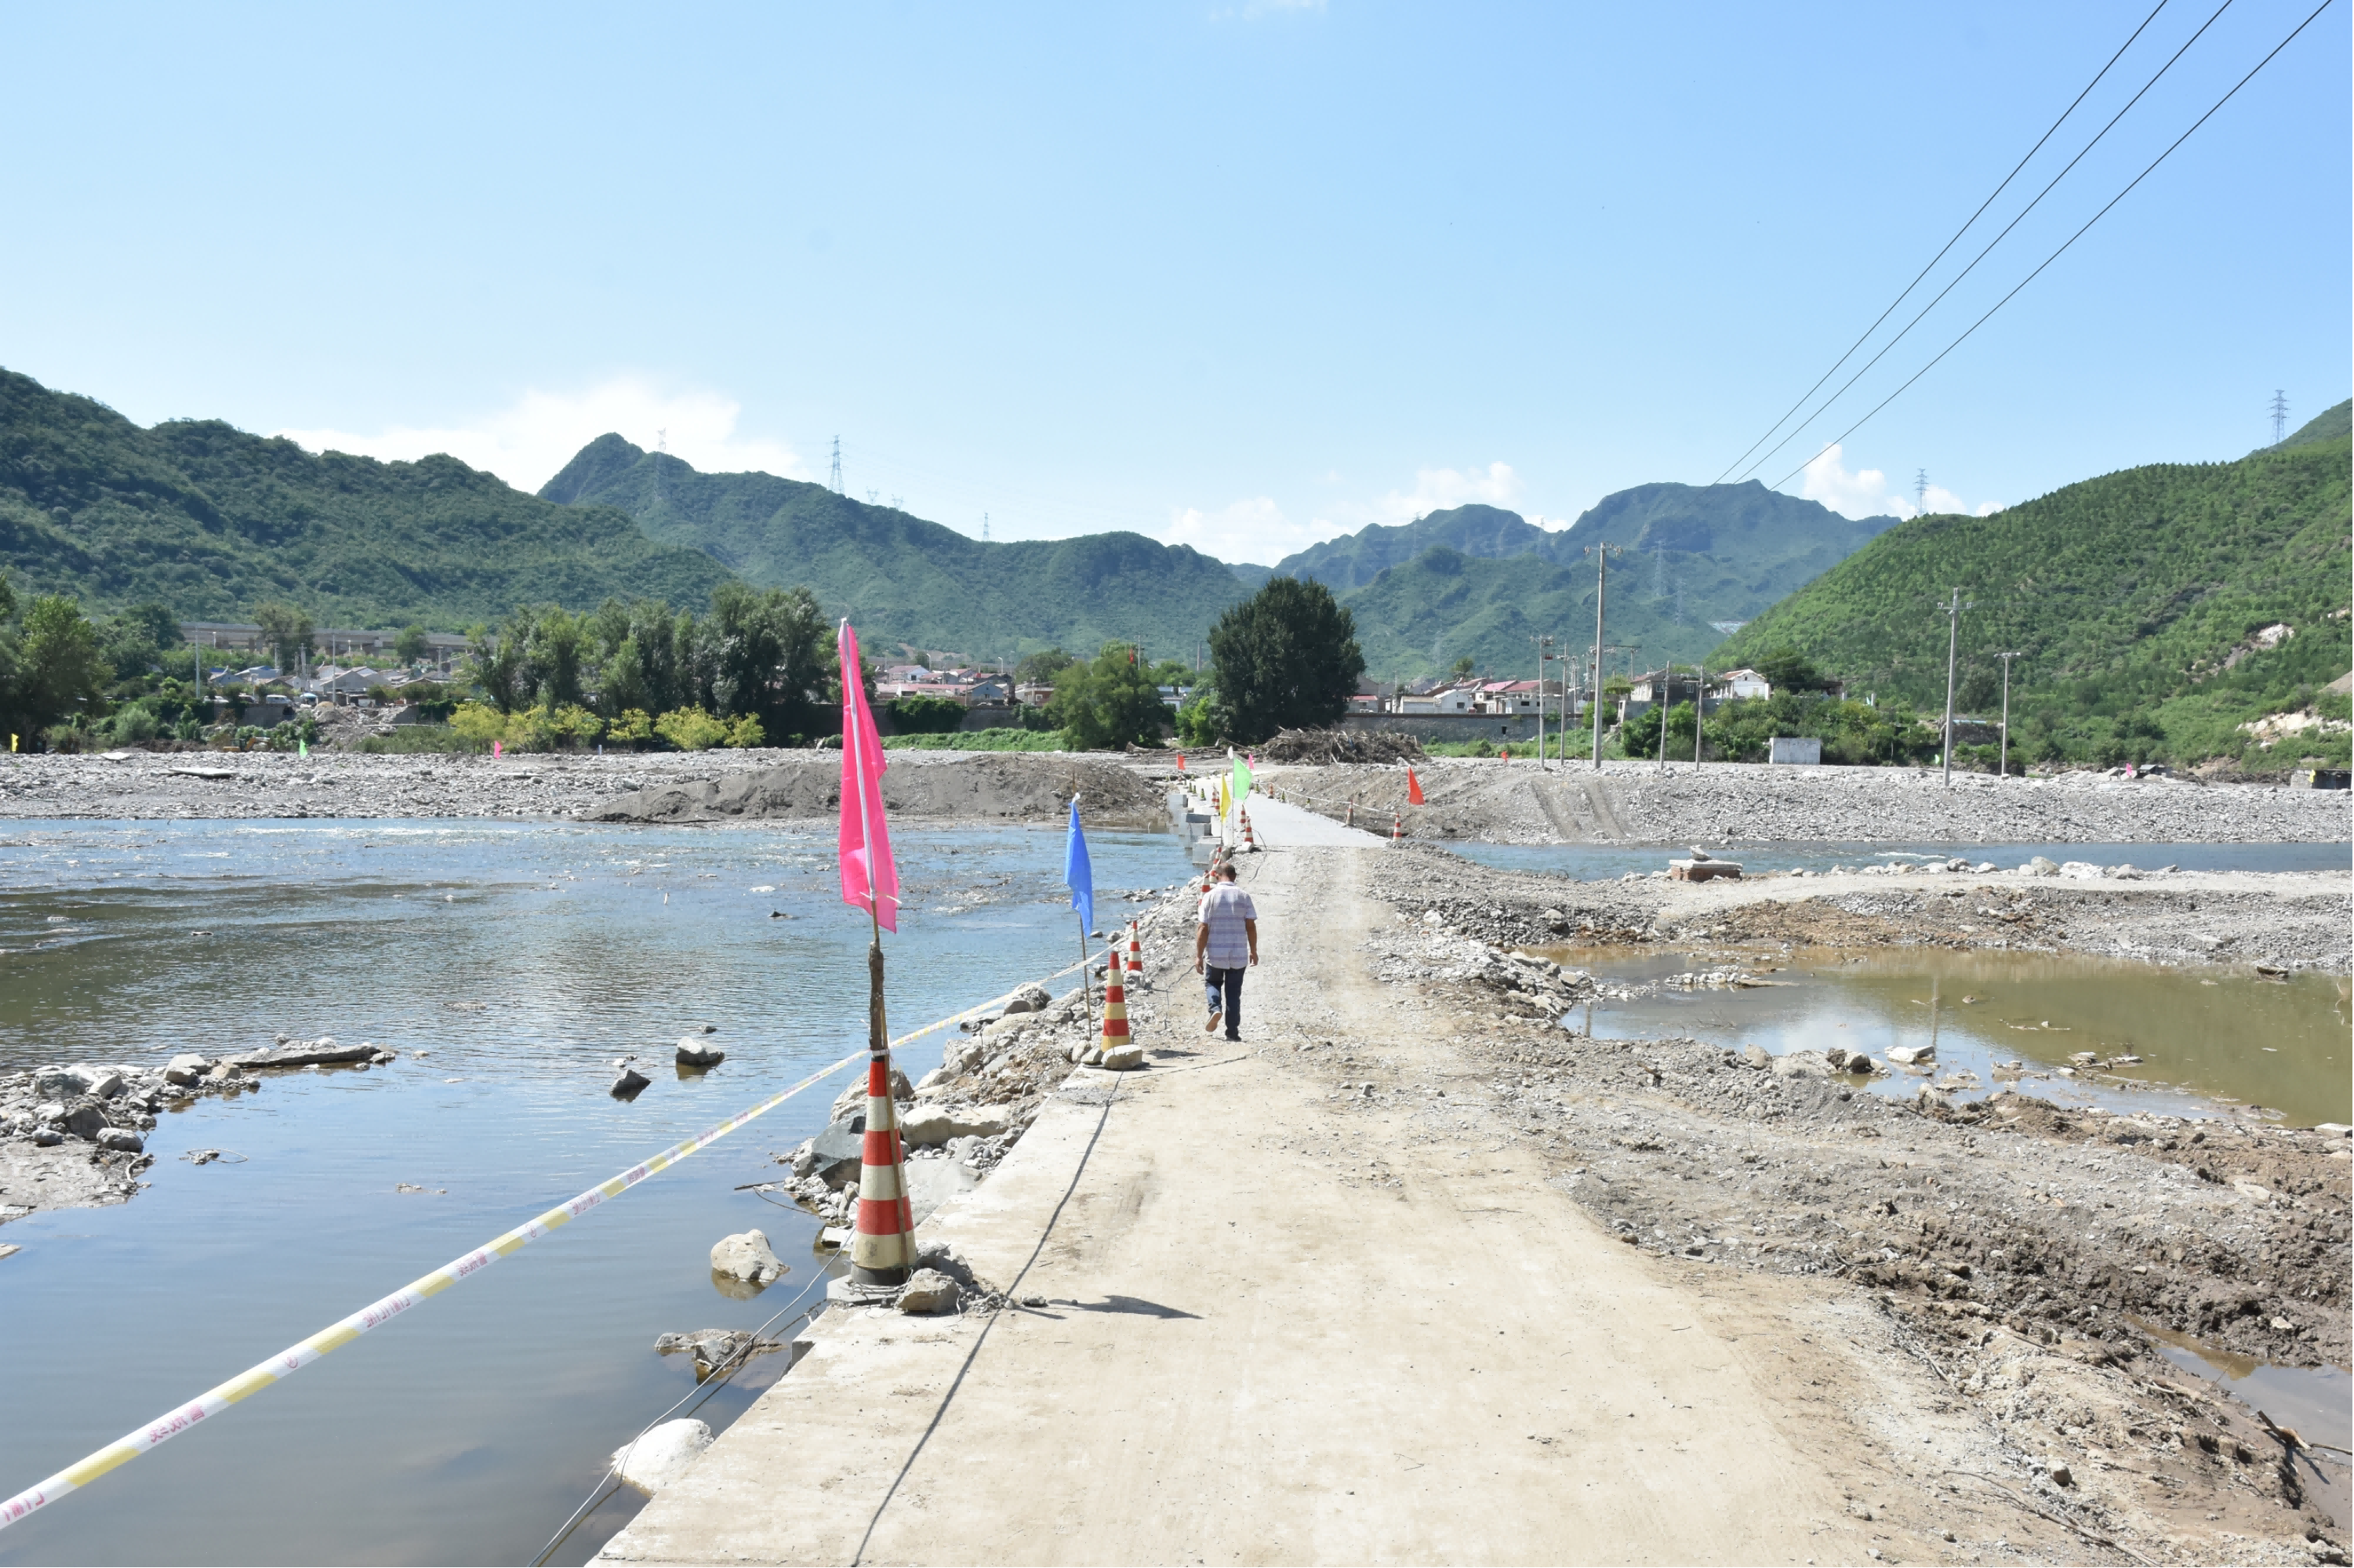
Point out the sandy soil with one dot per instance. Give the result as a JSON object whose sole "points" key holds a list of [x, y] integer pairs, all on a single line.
{"points": [[1516, 802], [1303, 1299]]}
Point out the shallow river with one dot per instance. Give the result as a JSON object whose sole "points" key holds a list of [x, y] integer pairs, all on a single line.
{"points": [[524, 959], [1589, 863], [2203, 1035]]}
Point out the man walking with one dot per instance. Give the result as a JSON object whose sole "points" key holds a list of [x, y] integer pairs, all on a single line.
{"points": [[1226, 941]]}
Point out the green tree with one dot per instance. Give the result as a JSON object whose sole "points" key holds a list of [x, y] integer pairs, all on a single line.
{"points": [[769, 653], [1108, 704], [1463, 668], [287, 630], [411, 646], [54, 665], [1788, 670], [1043, 667], [925, 716], [1287, 658]]}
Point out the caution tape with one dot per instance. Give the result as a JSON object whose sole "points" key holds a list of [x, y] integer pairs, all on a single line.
{"points": [[377, 1314]]}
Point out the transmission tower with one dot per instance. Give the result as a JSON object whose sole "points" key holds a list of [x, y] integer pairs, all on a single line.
{"points": [[985, 527], [2280, 415], [1920, 491], [834, 480]]}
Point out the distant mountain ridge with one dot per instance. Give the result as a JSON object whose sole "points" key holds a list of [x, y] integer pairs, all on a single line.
{"points": [[210, 520], [907, 581], [1482, 583]]}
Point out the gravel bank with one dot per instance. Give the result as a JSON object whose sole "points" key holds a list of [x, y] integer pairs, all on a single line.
{"points": [[1730, 803], [2031, 1257], [633, 786], [2291, 920]]}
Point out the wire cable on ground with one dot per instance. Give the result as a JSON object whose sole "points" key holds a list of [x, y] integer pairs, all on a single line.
{"points": [[294, 1357], [2071, 239], [1982, 255], [1949, 244]]}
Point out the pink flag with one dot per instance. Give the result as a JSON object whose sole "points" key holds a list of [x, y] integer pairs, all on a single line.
{"points": [[869, 879]]}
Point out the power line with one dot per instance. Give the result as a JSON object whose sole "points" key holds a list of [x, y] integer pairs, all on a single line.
{"points": [[1949, 244], [1997, 239], [2071, 239]]}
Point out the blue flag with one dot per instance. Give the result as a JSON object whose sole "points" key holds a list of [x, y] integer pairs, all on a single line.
{"points": [[1079, 876]]}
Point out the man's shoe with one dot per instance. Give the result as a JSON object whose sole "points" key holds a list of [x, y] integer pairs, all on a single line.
{"points": [[1211, 1027], [1235, 1037]]}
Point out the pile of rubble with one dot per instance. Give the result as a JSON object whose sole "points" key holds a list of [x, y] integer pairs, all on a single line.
{"points": [[1337, 746]]}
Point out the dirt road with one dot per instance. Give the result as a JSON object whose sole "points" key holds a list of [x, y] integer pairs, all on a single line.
{"points": [[1271, 1306]]}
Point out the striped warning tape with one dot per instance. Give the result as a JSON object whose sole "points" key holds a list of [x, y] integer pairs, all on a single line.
{"points": [[377, 1314]]}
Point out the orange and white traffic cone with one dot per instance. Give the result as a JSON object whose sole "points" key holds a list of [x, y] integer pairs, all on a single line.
{"points": [[1135, 952], [1115, 1005], [1250, 839], [1397, 827], [883, 1252]]}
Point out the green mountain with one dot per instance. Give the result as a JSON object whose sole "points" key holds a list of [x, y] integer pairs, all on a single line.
{"points": [[2139, 603], [2326, 425], [904, 580], [1355, 559], [208, 521], [1687, 556]]}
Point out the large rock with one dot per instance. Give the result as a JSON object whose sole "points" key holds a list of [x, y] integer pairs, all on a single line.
{"points": [[64, 1083], [746, 1256], [1124, 1058], [854, 1093], [83, 1118], [1032, 998], [119, 1137], [1911, 1055], [1802, 1064], [693, 1052], [186, 1069], [321, 1053], [662, 1455], [928, 1126], [930, 1291]]}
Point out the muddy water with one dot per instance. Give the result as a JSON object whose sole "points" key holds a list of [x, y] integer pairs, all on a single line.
{"points": [[523, 959], [2203, 1038]]}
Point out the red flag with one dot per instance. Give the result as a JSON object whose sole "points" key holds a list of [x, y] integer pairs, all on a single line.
{"points": [[870, 880], [1413, 789]]}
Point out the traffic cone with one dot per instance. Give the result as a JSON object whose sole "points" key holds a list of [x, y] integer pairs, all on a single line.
{"points": [[1180, 762], [1250, 839], [883, 1252], [1397, 827], [1115, 1005], [1135, 951]]}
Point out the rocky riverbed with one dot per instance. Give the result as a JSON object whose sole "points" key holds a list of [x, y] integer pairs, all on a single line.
{"points": [[75, 1135], [639, 786], [2284, 921], [1517, 802]]}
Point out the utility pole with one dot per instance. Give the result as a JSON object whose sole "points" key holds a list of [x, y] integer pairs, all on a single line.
{"points": [[2002, 767], [1660, 702], [1602, 553], [1700, 707], [1952, 641], [1543, 645], [2280, 415]]}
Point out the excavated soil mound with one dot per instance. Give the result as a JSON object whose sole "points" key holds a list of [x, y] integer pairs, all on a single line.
{"points": [[962, 787]]}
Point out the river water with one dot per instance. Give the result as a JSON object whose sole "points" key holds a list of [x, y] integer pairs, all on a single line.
{"points": [[524, 959], [1589, 863]]}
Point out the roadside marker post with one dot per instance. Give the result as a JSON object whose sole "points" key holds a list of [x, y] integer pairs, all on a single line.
{"points": [[1115, 1010]]}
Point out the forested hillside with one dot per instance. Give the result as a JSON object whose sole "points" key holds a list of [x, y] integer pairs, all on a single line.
{"points": [[907, 581], [208, 521], [2140, 604]]}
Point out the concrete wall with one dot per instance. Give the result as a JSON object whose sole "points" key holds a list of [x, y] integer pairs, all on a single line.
{"points": [[1804, 750], [1504, 729]]}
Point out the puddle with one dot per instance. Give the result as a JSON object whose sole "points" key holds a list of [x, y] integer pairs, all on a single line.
{"points": [[524, 959], [2316, 1403], [2202, 1037], [1595, 863]]}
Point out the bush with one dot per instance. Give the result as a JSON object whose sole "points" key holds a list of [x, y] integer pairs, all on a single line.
{"points": [[980, 740], [421, 737], [925, 716], [746, 731], [690, 729]]}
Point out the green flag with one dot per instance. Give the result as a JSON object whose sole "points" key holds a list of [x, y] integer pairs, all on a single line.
{"points": [[1242, 776]]}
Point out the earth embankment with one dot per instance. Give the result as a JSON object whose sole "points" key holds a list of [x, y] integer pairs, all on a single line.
{"points": [[1625, 802]]}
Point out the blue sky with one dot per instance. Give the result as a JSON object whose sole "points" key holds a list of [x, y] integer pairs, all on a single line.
{"points": [[1242, 275]]}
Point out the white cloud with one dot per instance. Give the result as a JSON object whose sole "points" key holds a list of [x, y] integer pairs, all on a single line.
{"points": [[1250, 530], [1437, 489], [1865, 493], [526, 442]]}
